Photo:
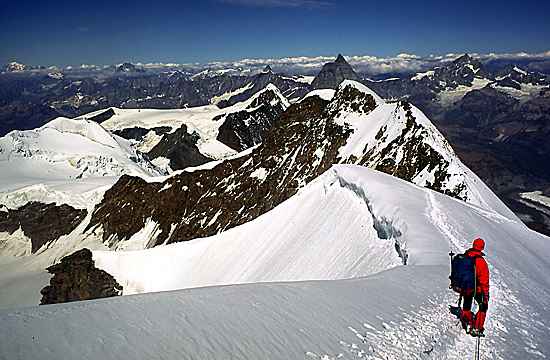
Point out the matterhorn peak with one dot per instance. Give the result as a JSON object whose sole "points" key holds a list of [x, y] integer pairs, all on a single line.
{"points": [[267, 70], [465, 58], [340, 59], [333, 73]]}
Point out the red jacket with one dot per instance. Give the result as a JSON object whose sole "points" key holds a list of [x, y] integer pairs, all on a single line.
{"points": [[482, 272]]}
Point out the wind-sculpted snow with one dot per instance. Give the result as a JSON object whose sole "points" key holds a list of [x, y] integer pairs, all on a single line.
{"points": [[326, 230]]}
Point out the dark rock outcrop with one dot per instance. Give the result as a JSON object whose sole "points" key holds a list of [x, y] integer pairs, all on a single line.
{"points": [[76, 278], [42, 223], [181, 148], [513, 76], [333, 73], [138, 133], [103, 116], [31, 99], [244, 129], [288, 87], [128, 68], [21, 115]]}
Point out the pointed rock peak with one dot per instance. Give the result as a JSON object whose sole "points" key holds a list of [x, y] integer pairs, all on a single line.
{"points": [[333, 73], [340, 59], [268, 69], [464, 59]]}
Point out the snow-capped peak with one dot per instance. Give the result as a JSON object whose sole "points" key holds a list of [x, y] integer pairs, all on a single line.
{"points": [[69, 149], [399, 139], [270, 91], [85, 128], [362, 88]]}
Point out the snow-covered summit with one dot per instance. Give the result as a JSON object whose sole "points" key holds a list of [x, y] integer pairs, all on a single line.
{"points": [[399, 139], [362, 88], [67, 149], [85, 128]]}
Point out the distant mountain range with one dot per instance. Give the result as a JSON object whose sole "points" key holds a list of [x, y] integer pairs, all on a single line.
{"points": [[495, 114]]}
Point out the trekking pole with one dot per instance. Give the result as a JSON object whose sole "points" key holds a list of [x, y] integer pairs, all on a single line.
{"points": [[477, 348], [451, 254]]}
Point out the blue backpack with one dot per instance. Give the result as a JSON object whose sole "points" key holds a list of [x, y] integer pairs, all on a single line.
{"points": [[463, 274]]}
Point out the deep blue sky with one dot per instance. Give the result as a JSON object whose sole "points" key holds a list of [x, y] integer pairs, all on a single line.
{"points": [[98, 32]]}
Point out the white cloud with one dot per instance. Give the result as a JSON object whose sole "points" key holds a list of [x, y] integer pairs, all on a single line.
{"points": [[368, 64]]}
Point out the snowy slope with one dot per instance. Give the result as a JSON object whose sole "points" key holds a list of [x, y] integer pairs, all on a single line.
{"points": [[65, 149], [348, 222], [66, 161], [395, 136], [203, 120], [300, 239]]}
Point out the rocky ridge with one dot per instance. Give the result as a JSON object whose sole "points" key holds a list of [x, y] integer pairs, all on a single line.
{"points": [[76, 278], [305, 142], [41, 223]]}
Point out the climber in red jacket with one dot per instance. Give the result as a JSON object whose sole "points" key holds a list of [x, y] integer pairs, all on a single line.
{"points": [[480, 293]]}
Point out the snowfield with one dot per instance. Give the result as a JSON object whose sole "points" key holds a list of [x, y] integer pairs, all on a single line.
{"points": [[66, 149], [202, 120], [348, 223]]}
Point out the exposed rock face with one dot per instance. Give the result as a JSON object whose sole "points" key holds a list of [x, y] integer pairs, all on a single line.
{"points": [[513, 76], [128, 68], [29, 100], [103, 116], [414, 155], [181, 148], [138, 133], [247, 128], [76, 278], [333, 73], [498, 130], [22, 115], [202, 203], [288, 87], [42, 223], [480, 108], [461, 71], [304, 143]]}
